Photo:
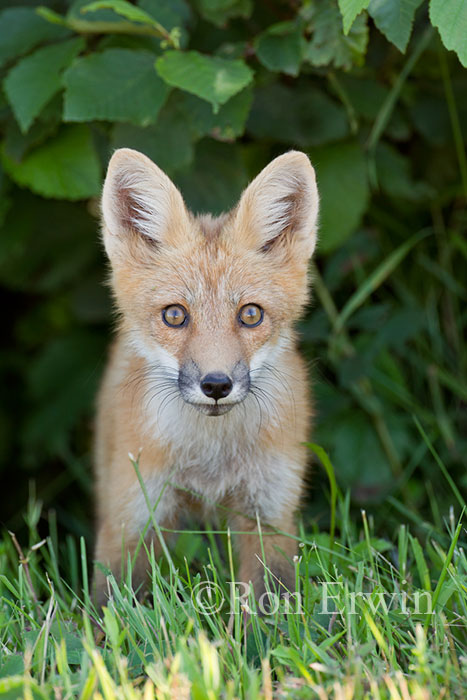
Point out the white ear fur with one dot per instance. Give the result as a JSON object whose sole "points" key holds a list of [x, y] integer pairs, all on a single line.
{"points": [[282, 201], [138, 198]]}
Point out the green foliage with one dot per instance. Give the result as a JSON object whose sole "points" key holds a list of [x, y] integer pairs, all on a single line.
{"points": [[395, 19], [115, 85], [34, 80], [280, 48], [65, 166], [21, 29], [212, 90], [329, 46], [343, 198], [123, 8], [450, 16], [349, 10], [213, 79]]}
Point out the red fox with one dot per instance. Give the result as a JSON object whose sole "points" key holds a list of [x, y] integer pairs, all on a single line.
{"points": [[204, 375]]}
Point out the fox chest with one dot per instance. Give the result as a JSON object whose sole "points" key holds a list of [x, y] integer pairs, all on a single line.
{"points": [[215, 468]]}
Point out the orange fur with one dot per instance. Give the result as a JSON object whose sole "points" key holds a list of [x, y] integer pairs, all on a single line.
{"points": [[251, 459]]}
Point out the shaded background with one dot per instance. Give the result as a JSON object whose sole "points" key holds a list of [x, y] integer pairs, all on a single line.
{"points": [[383, 118]]}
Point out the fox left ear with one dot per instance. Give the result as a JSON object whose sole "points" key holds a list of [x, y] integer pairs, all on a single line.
{"points": [[281, 206], [141, 207]]}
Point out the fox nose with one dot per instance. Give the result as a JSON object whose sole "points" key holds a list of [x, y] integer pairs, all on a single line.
{"points": [[216, 385]]}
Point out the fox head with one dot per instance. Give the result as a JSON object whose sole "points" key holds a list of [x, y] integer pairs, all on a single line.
{"points": [[210, 303]]}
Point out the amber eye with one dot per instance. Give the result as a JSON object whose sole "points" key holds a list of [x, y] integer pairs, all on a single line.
{"points": [[175, 316], [251, 315]]}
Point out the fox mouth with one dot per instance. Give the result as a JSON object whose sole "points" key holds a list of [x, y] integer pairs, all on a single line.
{"points": [[213, 409]]}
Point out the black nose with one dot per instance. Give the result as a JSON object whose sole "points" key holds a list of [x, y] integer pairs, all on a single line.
{"points": [[216, 385]]}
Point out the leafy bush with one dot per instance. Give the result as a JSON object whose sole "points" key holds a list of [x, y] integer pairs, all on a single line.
{"points": [[211, 91]]}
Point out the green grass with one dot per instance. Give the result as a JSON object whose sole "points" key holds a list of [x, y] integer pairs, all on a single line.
{"points": [[376, 618]]}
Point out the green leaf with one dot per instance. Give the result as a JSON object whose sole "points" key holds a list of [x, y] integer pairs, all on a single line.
{"points": [[13, 664], [169, 142], [343, 187], [21, 29], [227, 124], [366, 95], [280, 48], [62, 381], [75, 16], [312, 117], [450, 17], [220, 11], [65, 167], [217, 178], [213, 79], [358, 458], [122, 8], [349, 11], [170, 13], [16, 143], [328, 45], [37, 78], [127, 10], [39, 259], [394, 19], [394, 176], [116, 85]]}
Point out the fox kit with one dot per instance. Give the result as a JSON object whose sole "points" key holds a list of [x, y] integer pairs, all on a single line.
{"points": [[204, 376]]}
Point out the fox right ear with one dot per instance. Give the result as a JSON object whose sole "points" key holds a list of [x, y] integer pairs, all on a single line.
{"points": [[279, 209], [140, 205]]}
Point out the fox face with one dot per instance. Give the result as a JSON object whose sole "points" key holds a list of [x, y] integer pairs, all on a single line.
{"points": [[209, 303]]}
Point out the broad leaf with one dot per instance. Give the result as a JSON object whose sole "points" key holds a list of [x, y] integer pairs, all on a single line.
{"points": [[62, 382], [213, 79], [312, 118], [227, 124], [37, 78], [280, 48], [39, 258], [216, 180], [349, 10], [450, 16], [220, 11], [170, 13], [343, 188], [430, 114], [77, 17], [21, 29], [395, 178], [366, 95], [17, 143], [169, 142], [65, 167], [122, 8], [129, 11], [116, 85], [395, 19], [329, 45], [358, 457]]}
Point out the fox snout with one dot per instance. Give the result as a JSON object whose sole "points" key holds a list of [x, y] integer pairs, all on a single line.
{"points": [[215, 392]]}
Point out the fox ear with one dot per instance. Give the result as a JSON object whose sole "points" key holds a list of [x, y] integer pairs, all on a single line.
{"points": [[280, 206], [140, 205]]}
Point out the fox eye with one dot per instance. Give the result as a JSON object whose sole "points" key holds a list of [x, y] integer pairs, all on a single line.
{"points": [[175, 316], [251, 315]]}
